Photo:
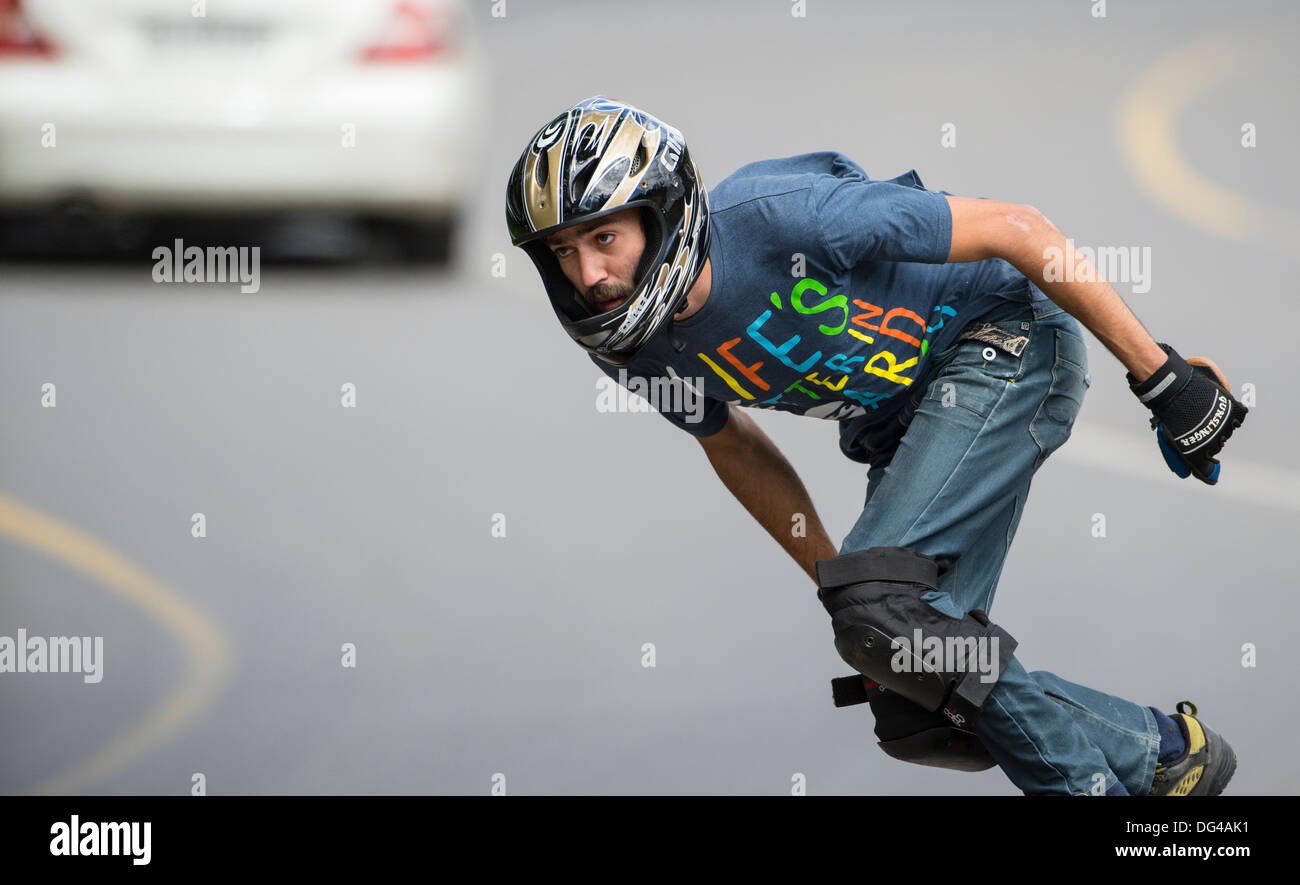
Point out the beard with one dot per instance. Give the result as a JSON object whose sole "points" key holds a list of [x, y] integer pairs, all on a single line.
{"points": [[611, 295]]}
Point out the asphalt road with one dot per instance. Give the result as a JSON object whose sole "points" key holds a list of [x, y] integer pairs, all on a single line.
{"points": [[521, 656]]}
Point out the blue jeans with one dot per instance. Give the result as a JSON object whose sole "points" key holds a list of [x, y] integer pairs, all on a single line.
{"points": [[949, 476]]}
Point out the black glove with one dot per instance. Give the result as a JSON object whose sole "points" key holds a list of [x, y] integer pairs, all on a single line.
{"points": [[1194, 413]]}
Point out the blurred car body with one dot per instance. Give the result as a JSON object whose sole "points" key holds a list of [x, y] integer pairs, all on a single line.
{"points": [[368, 107]]}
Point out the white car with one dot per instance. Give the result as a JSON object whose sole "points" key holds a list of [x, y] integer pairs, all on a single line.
{"points": [[368, 107]]}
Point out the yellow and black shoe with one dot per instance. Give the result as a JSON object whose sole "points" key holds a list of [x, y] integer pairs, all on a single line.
{"points": [[1206, 766]]}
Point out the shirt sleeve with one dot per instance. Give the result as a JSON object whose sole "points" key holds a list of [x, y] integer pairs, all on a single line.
{"points": [[863, 220], [697, 414]]}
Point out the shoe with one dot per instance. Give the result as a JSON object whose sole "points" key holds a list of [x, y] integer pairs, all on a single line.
{"points": [[1206, 766]]}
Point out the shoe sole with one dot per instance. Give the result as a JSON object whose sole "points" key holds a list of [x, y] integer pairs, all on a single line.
{"points": [[1226, 770], [1220, 764]]}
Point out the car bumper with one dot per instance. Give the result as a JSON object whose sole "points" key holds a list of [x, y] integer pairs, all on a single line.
{"points": [[391, 141]]}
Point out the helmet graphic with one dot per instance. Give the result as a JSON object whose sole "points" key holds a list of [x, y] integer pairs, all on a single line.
{"points": [[600, 157]]}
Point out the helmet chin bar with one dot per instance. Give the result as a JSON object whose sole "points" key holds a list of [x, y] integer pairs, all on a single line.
{"points": [[595, 339], [606, 323]]}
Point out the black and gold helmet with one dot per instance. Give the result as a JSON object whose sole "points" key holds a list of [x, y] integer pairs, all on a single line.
{"points": [[600, 157]]}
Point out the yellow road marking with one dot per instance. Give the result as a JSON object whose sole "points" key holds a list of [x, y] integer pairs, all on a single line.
{"points": [[207, 656], [1147, 122]]}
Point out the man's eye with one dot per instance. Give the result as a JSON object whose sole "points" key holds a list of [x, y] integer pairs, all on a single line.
{"points": [[605, 234]]}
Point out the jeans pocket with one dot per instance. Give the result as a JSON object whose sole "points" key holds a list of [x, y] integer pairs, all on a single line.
{"points": [[973, 354], [1051, 424], [1001, 344], [977, 372]]}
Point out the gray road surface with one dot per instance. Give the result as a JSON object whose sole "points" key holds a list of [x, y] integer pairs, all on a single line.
{"points": [[521, 656]]}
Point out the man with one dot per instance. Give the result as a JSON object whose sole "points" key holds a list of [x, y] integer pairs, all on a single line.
{"points": [[922, 323]]}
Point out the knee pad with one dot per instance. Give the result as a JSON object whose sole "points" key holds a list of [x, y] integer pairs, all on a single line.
{"points": [[889, 634], [910, 734]]}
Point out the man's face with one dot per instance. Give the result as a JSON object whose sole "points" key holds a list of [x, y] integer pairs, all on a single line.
{"points": [[600, 257]]}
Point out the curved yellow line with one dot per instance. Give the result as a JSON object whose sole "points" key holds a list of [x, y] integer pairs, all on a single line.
{"points": [[1147, 122], [208, 659]]}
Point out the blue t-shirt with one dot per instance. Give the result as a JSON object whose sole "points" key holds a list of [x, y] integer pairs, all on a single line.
{"points": [[829, 291]]}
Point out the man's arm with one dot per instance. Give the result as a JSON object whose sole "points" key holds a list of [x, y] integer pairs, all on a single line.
{"points": [[760, 477], [1020, 235]]}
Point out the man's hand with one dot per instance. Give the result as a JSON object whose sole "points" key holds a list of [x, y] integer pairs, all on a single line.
{"points": [[1194, 413]]}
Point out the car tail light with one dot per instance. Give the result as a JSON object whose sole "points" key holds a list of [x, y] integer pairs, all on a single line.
{"points": [[17, 38], [414, 31]]}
